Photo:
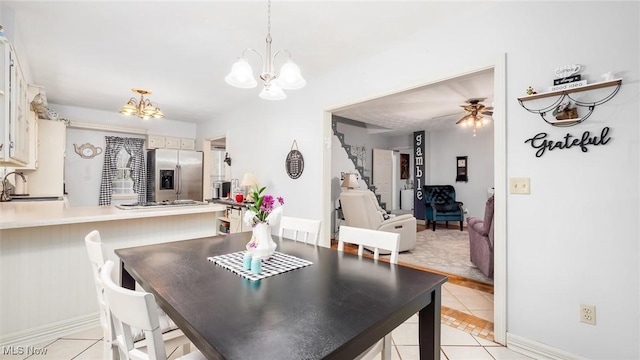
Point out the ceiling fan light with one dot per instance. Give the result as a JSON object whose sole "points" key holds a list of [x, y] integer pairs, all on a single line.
{"points": [[272, 92], [485, 121], [241, 75], [290, 77]]}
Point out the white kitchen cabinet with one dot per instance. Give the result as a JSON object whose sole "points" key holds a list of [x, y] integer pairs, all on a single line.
{"points": [[187, 144], [155, 142], [14, 110], [232, 222], [48, 178], [172, 143], [32, 164]]}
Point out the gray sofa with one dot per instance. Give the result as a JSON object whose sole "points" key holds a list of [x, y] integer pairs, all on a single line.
{"points": [[481, 240]]}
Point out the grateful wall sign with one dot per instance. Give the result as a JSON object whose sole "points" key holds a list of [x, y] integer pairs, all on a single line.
{"points": [[541, 142]]}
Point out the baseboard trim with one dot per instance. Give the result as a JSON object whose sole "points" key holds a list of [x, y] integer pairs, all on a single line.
{"points": [[538, 350], [51, 331]]}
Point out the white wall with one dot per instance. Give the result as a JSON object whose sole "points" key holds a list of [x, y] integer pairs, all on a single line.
{"points": [[563, 247], [443, 149], [164, 127], [83, 176], [259, 135]]}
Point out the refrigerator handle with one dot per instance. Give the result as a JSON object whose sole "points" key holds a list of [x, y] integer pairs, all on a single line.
{"points": [[179, 179]]}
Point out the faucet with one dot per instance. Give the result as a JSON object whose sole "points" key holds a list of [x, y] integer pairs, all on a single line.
{"points": [[5, 192]]}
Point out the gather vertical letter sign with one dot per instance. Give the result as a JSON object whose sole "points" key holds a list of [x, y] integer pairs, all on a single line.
{"points": [[418, 180]]}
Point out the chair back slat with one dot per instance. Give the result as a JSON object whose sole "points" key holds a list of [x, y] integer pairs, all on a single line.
{"points": [[371, 238], [308, 229], [135, 309]]}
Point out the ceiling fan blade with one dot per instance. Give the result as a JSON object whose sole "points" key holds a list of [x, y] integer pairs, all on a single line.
{"points": [[464, 119], [485, 112]]}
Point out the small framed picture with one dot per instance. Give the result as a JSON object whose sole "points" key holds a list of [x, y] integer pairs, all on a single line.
{"points": [[461, 169], [404, 166]]}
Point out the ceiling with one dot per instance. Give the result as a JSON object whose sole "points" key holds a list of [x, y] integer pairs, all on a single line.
{"points": [[90, 54], [433, 107]]}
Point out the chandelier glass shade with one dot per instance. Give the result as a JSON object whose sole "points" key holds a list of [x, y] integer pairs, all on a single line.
{"points": [[144, 109], [289, 78]]}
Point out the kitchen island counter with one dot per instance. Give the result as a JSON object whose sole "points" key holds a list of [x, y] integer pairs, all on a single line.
{"points": [[44, 268], [19, 214]]}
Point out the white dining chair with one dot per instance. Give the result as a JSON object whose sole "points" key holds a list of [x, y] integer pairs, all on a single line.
{"points": [[172, 335], [308, 230], [135, 309], [371, 238], [378, 240]]}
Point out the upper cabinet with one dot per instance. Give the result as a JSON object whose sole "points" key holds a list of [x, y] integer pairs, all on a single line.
{"points": [[16, 121], [169, 142]]}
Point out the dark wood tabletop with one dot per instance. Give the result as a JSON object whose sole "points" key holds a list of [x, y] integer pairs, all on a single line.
{"points": [[333, 309]]}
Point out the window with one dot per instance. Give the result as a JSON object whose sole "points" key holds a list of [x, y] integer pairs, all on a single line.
{"points": [[122, 183]]}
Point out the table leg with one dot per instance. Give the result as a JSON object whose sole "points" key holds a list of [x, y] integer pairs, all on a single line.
{"points": [[429, 327], [386, 348], [126, 280]]}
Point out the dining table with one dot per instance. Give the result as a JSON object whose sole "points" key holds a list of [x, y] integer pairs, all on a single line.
{"points": [[334, 307]]}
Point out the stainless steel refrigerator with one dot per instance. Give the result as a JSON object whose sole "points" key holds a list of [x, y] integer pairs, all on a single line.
{"points": [[174, 175]]}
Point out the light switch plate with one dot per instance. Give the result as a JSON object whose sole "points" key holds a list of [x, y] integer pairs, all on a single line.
{"points": [[520, 186]]}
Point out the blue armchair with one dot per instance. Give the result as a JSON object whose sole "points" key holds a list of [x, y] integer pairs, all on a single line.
{"points": [[441, 205]]}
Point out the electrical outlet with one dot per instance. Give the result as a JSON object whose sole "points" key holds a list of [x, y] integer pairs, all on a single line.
{"points": [[588, 314], [520, 186]]}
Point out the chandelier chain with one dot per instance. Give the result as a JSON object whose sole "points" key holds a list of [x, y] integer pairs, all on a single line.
{"points": [[269, 18]]}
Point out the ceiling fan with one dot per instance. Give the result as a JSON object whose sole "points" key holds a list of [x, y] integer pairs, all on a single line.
{"points": [[475, 114]]}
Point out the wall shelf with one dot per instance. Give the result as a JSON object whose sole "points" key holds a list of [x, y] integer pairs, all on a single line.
{"points": [[564, 94]]}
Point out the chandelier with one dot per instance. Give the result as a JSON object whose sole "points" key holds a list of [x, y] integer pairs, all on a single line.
{"points": [[241, 74], [143, 108]]}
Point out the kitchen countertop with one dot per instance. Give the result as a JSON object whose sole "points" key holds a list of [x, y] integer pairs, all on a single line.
{"points": [[230, 202], [22, 214]]}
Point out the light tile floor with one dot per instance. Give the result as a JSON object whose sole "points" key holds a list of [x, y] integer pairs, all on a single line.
{"points": [[461, 336]]}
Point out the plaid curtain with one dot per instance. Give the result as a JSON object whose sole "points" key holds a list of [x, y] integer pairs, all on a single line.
{"points": [[135, 148]]}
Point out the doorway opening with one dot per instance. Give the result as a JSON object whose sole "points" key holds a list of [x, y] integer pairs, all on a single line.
{"points": [[216, 168], [499, 174]]}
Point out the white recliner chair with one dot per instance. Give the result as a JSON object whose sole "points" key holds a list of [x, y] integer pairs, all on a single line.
{"points": [[360, 209]]}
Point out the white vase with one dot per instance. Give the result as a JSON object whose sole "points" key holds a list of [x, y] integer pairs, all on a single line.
{"points": [[261, 245]]}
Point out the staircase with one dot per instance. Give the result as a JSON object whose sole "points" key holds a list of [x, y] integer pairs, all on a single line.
{"points": [[354, 159]]}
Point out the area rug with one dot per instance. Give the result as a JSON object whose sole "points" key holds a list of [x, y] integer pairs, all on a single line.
{"points": [[445, 250]]}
